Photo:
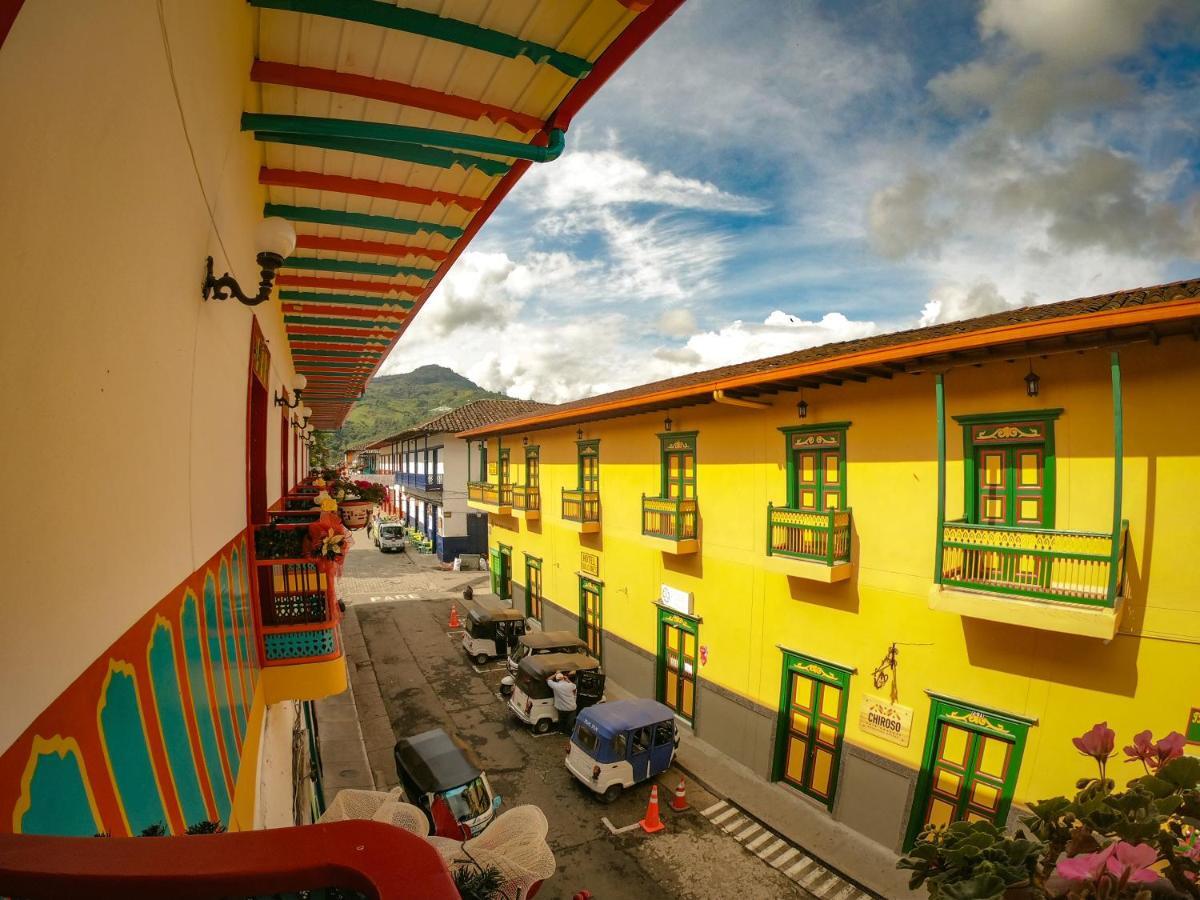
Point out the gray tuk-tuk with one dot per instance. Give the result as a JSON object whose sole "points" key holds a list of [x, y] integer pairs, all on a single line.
{"points": [[490, 631]]}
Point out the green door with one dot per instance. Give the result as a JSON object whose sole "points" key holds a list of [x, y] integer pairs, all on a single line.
{"points": [[591, 616], [679, 474], [970, 767], [1012, 484], [813, 701], [819, 479], [533, 588], [494, 570], [677, 640], [505, 573]]}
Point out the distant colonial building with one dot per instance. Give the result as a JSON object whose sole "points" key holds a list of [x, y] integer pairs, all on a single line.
{"points": [[430, 465]]}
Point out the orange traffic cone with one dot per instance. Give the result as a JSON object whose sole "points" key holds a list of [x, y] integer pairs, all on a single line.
{"points": [[679, 801], [454, 622], [652, 823]]}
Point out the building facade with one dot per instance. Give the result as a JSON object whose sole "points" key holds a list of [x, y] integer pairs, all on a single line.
{"points": [[430, 468], [897, 575]]}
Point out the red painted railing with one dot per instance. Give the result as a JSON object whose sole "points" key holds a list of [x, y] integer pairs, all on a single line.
{"points": [[375, 859]]}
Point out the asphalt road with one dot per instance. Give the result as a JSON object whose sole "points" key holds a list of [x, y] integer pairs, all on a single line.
{"points": [[403, 603]]}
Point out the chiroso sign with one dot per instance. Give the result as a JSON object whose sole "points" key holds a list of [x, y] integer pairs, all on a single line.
{"points": [[889, 721]]}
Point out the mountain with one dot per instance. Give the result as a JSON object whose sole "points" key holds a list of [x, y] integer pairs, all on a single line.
{"points": [[393, 403]]}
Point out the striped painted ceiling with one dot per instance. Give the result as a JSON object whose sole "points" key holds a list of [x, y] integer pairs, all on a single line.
{"points": [[390, 133]]}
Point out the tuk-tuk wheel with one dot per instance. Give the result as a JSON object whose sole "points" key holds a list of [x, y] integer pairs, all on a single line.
{"points": [[541, 726], [611, 793], [481, 659]]}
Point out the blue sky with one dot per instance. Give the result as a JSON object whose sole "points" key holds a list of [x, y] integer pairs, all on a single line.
{"points": [[767, 175]]}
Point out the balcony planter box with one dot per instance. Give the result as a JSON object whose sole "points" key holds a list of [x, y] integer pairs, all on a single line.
{"points": [[355, 513], [279, 543]]}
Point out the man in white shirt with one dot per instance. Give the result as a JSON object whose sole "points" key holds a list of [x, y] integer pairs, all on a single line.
{"points": [[564, 700]]}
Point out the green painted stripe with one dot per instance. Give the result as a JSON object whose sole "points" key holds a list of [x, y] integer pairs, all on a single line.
{"points": [[385, 15], [355, 130], [348, 354], [350, 299], [363, 268], [296, 338], [365, 324], [358, 220], [413, 153]]}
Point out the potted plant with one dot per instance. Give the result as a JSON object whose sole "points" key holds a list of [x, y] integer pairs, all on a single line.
{"points": [[356, 500]]}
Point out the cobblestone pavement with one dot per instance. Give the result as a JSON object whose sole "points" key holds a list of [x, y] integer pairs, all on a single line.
{"points": [[414, 667]]}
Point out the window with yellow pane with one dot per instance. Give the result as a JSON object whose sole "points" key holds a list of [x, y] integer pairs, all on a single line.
{"points": [[678, 465], [1010, 467], [817, 466], [677, 642], [812, 725], [972, 757]]}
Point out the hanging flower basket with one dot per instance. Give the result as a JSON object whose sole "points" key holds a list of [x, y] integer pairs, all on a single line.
{"points": [[355, 513]]}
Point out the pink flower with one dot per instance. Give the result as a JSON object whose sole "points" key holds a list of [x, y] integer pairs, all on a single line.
{"points": [[1085, 866], [1169, 748], [1142, 748], [1135, 859], [1097, 743], [1154, 755]]}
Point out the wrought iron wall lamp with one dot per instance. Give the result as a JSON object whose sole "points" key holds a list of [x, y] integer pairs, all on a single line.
{"points": [[298, 386], [276, 239]]}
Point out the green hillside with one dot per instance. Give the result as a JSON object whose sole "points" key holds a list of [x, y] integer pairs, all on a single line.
{"points": [[395, 402]]}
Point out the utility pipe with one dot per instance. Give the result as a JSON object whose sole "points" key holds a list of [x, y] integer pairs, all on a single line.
{"points": [[720, 396]]}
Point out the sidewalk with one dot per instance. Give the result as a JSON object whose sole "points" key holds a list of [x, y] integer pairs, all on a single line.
{"points": [[784, 812]]}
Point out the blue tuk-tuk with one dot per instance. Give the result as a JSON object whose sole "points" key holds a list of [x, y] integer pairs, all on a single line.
{"points": [[616, 745]]}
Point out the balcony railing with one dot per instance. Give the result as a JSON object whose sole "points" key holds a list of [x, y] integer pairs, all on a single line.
{"points": [[421, 481], [1070, 566], [808, 534], [526, 498], [490, 493], [297, 599], [355, 858], [670, 518], [581, 506]]}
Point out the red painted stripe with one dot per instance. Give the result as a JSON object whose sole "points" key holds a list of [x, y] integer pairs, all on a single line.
{"points": [[366, 188], [8, 15], [349, 245], [311, 347], [349, 331], [346, 284], [390, 91], [344, 312]]}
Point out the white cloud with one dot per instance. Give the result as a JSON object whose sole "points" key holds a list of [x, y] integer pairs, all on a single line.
{"points": [[900, 220], [952, 302], [1073, 33], [607, 178], [678, 322], [779, 333]]}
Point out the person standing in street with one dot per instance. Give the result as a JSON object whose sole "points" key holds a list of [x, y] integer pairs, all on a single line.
{"points": [[564, 700]]}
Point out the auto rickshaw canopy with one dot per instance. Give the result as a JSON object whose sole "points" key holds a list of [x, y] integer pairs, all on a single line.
{"points": [[610, 719], [540, 640], [435, 762]]}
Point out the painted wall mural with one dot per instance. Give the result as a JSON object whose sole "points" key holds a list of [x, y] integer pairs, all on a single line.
{"points": [[152, 732]]}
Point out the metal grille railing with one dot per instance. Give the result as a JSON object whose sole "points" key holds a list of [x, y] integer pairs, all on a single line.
{"points": [[809, 534], [581, 506], [1070, 566], [667, 517], [490, 493]]}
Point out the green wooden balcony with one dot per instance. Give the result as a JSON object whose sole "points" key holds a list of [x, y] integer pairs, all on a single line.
{"points": [[581, 509], [526, 501], [1066, 566], [810, 543], [490, 496], [671, 523]]}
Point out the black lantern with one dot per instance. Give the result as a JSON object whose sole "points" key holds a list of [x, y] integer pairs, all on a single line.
{"points": [[579, 434], [1032, 381], [667, 423], [802, 407], [277, 239], [525, 441]]}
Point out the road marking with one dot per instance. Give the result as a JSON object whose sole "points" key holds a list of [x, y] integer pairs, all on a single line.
{"points": [[814, 875], [784, 857], [754, 826], [717, 820], [720, 804], [763, 854], [844, 893], [834, 882], [735, 824], [759, 841], [615, 830], [798, 867]]}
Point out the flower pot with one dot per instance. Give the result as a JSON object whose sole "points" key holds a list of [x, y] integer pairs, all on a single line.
{"points": [[355, 513]]}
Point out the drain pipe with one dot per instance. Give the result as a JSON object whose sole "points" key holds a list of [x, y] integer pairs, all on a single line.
{"points": [[719, 396]]}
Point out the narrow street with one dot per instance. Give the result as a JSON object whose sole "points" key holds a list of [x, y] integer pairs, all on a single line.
{"points": [[402, 603]]}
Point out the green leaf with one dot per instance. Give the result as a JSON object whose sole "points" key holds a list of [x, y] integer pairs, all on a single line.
{"points": [[985, 886]]}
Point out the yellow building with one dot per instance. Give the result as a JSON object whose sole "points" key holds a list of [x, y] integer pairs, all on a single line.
{"points": [[897, 574]]}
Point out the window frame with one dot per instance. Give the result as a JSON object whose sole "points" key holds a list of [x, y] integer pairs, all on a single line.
{"points": [[682, 443], [981, 430], [822, 438]]}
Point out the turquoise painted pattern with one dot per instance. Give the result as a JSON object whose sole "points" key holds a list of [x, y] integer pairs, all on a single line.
{"points": [[125, 739], [217, 665], [194, 653], [168, 701], [59, 801], [245, 625], [231, 652]]}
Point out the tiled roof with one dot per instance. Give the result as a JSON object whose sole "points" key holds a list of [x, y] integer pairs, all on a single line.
{"points": [[832, 353], [475, 414]]}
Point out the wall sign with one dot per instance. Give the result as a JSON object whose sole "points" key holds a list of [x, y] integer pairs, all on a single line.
{"points": [[260, 356], [673, 598], [889, 721], [1193, 726], [589, 563], [704, 654]]}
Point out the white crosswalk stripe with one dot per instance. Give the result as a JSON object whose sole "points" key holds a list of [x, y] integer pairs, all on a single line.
{"points": [[781, 855]]}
